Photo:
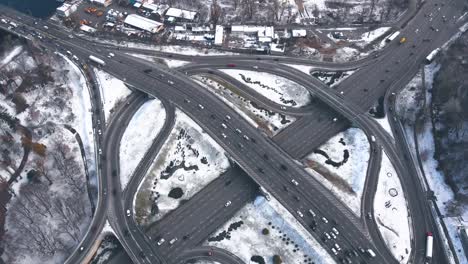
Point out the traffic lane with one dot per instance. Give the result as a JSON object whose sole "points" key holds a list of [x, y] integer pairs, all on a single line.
{"points": [[208, 219], [114, 134]]}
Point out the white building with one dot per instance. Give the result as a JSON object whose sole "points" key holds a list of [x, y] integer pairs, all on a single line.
{"points": [[66, 9], [219, 35], [102, 2], [299, 33], [181, 14], [260, 31], [143, 23]]}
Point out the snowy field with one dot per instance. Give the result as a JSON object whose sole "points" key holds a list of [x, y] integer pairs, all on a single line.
{"points": [[263, 229], [277, 89], [391, 212], [341, 164], [188, 161], [270, 122], [168, 62], [108, 247], [331, 78], [112, 90], [138, 137]]}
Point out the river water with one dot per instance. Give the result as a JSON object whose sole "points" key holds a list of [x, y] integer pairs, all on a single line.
{"points": [[37, 8]]}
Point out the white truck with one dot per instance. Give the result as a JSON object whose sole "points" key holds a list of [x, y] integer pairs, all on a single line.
{"points": [[429, 245], [97, 60], [371, 253], [392, 36], [432, 55]]}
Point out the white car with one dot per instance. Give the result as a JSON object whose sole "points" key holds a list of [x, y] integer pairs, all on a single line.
{"points": [[128, 212], [300, 214], [327, 235], [312, 213], [238, 131], [228, 203], [334, 251], [325, 220], [161, 241], [294, 182], [228, 117], [100, 151], [173, 240], [201, 106], [224, 125], [245, 137], [335, 231], [337, 247], [333, 235], [223, 135]]}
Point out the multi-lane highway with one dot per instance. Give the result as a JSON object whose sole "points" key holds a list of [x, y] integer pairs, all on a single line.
{"points": [[269, 165]]}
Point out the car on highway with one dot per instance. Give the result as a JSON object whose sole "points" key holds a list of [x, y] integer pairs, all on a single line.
{"points": [[161, 241], [128, 212], [300, 214], [81, 248], [335, 231], [231, 65], [369, 216], [228, 203], [294, 182], [312, 213], [210, 253], [255, 67], [170, 82]]}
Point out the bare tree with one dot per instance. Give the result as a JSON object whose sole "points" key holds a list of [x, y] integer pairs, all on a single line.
{"points": [[215, 12]]}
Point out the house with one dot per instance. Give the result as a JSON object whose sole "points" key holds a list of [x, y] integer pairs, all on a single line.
{"points": [[181, 15], [143, 23]]}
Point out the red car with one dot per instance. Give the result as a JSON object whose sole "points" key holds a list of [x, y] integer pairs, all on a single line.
{"points": [[210, 253], [231, 65]]}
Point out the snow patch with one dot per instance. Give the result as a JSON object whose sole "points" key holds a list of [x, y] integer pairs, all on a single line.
{"points": [[138, 137], [344, 171], [112, 91], [391, 212]]}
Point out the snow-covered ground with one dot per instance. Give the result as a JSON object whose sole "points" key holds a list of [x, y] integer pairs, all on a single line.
{"points": [[188, 161], [331, 78], [138, 137], [435, 178], [269, 121], [62, 99], [383, 122], [345, 54], [112, 90], [277, 89], [109, 246], [341, 164], [391, 212], [364, 39], [265, 229], [168, 62], [10, 55]]}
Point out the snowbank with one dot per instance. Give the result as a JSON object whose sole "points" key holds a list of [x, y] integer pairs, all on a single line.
{"points": [[112, 91], [169, 62], [341, 164], [391, 212], [277, 89], [138, 137]]}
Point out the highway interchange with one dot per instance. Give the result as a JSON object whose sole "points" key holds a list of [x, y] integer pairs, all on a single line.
{"points": [[377, 76]]}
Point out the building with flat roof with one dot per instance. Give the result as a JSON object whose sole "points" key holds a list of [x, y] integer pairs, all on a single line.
{"points": [[219, 35], [181, 14], [143, 23], [66, 9], [102, 2]]}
